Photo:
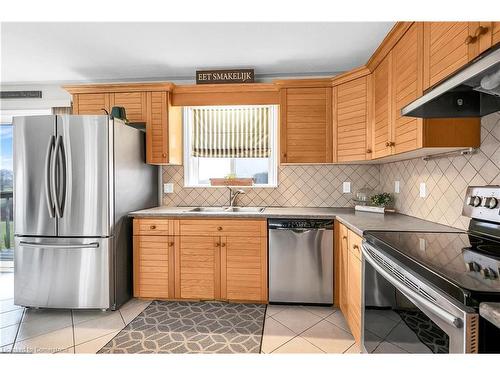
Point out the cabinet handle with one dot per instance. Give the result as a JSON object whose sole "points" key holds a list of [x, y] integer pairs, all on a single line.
{"points": [[171, 244], [355, 247], [284, 155], [368, 151], [217, 244], [164, 154], [344, 237], [152, 227], [223, 245], [219, 228], [481, 30], [390, 144]]}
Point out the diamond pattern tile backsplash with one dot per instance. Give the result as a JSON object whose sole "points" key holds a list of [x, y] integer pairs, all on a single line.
{"points": [[321, 185], [446, 179], [300, 186]]}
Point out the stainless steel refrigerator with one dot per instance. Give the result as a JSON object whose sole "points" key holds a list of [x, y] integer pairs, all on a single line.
{"points": [[75, 180]]}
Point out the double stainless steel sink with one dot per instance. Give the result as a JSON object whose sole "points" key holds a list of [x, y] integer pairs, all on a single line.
{"points": [[229, 209]]}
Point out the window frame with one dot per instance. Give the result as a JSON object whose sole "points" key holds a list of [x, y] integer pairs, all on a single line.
{"points": [[191, 167]]}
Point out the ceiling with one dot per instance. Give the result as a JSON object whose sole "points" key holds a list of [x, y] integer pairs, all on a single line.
{"points": [[93, 52]]}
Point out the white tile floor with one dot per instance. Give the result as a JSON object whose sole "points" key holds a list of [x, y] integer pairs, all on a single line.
{"points": [[287, 329]]}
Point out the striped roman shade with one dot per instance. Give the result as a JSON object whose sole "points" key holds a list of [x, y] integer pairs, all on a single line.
{"points": [[231, 132]]}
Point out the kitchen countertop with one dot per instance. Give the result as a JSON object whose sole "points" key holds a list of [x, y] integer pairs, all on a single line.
{"points": [[359, 222], [490, 312]]}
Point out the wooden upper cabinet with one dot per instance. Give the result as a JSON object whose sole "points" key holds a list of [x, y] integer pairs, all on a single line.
{"points": [[306, 125], [448, 46], [91, 104], [407, 67], [381, 122], [351, 119], [134, 103], [495, 33]]}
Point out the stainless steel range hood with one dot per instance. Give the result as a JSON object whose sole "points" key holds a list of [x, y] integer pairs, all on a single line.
{"points": [[472, 92]]}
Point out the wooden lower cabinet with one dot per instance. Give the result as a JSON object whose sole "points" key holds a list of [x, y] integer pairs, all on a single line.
{"points": [[154, 266], [348, 271], [171, 261]]}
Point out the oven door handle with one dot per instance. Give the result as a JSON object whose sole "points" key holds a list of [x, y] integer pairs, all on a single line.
{"points": [[440, 312]]}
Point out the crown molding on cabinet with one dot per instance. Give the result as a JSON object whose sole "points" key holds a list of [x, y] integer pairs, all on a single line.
{"points": [[119, 87]]}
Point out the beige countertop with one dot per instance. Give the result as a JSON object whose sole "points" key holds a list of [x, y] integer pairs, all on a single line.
{"points": [[359, 222]]}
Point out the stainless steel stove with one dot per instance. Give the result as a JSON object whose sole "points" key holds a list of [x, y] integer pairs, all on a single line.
{"points": [[422, 290]]}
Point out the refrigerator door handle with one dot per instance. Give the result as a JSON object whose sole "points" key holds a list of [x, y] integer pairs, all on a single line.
{"points": [[62, 177], [48, 191], [55, 187], [38, 245]]}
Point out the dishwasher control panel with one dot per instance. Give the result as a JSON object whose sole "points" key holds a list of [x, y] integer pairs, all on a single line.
{"points": [[300, 224]]}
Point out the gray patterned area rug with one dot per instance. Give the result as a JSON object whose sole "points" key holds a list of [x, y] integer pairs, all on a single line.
{"points": [[192, 327]]}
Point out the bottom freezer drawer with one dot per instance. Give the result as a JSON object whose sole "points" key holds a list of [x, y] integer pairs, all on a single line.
{"points": [[63, 272]]}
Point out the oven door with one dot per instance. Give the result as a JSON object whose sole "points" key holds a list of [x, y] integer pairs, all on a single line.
{"points": [[403, 314]]}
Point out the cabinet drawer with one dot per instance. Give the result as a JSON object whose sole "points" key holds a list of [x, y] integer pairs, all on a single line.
{"points": [[355, 244], [227, 227], [154, 227]]}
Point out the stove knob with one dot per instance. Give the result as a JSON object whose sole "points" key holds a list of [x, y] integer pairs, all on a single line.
{"points": [[491, 202], [485, 272], [493, 274], [476, 201], [472, 267]]}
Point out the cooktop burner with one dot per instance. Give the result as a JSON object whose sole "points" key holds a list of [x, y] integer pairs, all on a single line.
{"points": [[461, 264]]}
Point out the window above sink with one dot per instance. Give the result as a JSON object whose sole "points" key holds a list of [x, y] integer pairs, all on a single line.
{"points": [[230, 141]]}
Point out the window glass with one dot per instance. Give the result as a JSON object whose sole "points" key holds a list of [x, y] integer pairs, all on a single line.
{"points": [[230, 142]]}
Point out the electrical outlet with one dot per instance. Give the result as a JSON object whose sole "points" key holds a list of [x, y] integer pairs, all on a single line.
{"points": [[168, 188], [396, 187], [422, 244], [346, 187], [423, 190]]}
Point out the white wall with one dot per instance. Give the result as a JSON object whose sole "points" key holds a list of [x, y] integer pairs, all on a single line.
{"points": [[52, 96]]}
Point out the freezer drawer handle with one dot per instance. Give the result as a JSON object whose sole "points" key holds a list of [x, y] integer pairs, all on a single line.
{"points": [[92, 245], [48, 197]]}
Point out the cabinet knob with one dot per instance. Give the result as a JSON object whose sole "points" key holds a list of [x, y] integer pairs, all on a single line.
{"points": [[223, 244], [368, 151], [390, 144], [219, 228], [164, 154], [344, 237], [481, 30], [171, 244], [355, 247], [217, 244], [284, 155], [152, 227]]}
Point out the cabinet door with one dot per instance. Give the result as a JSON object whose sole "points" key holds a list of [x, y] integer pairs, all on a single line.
{"points": [[381, 128], [197, 268], [446, 49], [495, 33], [306, 125], [407, 64], [351, 117], [91, 104], [344, 271], [154, 266], [134, 104], [354, 296], [244, 268], [157, 127]]}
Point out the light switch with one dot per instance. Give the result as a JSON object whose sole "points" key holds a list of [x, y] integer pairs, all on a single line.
{"points": [[396, 187], [423, 190], [422, 244], [346, 187], [168, 188]]}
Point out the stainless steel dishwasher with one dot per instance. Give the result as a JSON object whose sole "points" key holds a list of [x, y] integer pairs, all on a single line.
{"points": [[301, 261]]}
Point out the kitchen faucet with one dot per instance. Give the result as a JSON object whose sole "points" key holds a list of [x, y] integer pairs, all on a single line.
{"points": [[233, 194]]}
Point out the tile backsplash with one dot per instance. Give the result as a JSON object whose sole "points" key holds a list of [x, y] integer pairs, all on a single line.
{"points": [[446, 181], [301, 185]]}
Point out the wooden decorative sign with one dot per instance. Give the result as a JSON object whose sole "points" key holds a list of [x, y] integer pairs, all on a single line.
{"points": [[224, 76]]}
